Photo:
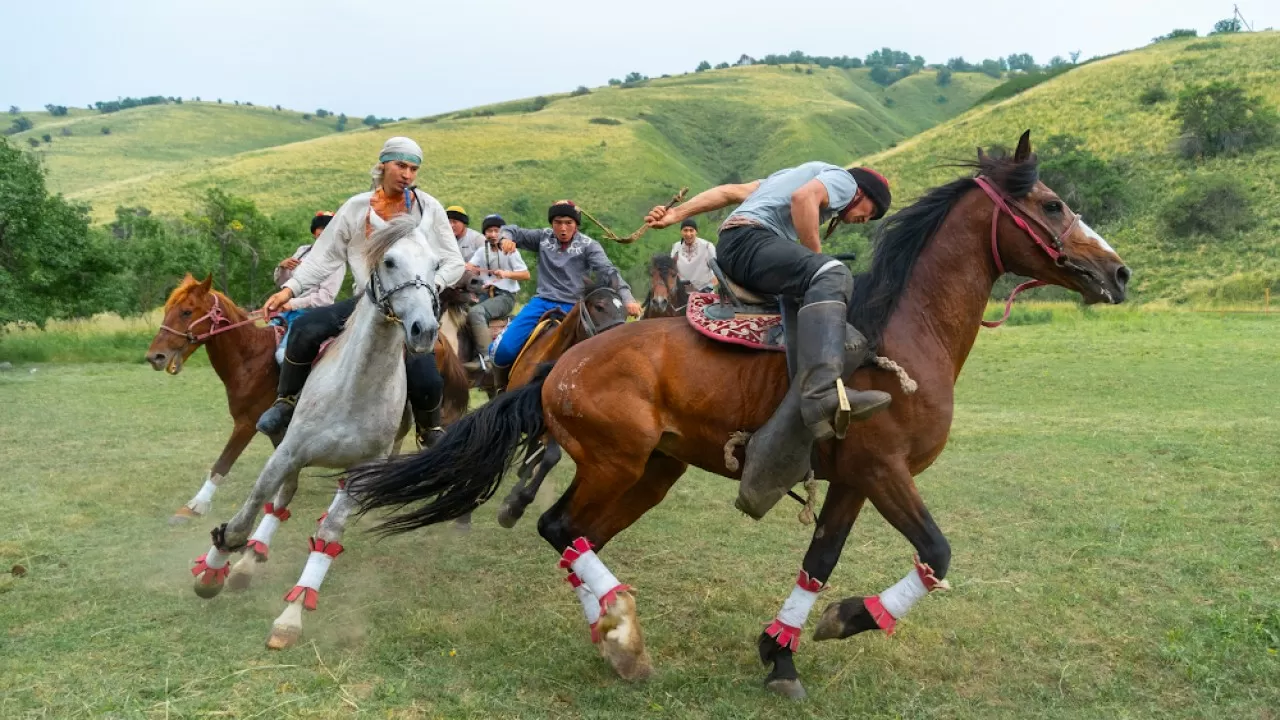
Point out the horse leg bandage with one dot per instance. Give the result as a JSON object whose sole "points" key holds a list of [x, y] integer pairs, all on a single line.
{"points": [[590, 605], [582, 561], [338, 497], [203, 499], [260, 541], [318, 562], [789, 623], [890, 606], [211, 567]]}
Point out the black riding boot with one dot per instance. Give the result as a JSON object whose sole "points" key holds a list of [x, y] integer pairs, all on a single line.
{"points": [[778, 454], [428, 426], [500, 377], [276, 419]]}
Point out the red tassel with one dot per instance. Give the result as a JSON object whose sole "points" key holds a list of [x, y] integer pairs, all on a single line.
{"points": [[323, 515], [208, 575], [611, 597], [804, 582], [332, 549], [573, 580], [595, 633], [882, 617], [310, 596], [787, 636], [258, 547], [927, 577], [574, 551]]}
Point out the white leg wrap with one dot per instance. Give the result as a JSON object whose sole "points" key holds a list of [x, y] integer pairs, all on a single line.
{"points": [[590, 604], [899, 598], [795, 611], [214, 559], [313, 574], [266, 529], [338, 497], [595, 576], [204, 498]]}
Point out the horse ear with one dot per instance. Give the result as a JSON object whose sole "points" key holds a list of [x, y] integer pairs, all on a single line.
{"points": [[1024, 147], [207, 283]]}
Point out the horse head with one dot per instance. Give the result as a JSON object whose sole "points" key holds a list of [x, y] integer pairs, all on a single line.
{"points": [[1043, 238], [192, 308], [601, 307], [664, 285], [402, 278]]}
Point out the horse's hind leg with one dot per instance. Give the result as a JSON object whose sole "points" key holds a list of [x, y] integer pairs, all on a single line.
{"points": [[780, 639], [325, 546], [241, 435], [211, 568], [616, 501], [526, 488], [273, 513], [895, 497]]}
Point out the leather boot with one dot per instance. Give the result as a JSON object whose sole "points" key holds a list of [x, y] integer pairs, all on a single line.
{"points": [[777, 458], [500, 377], [428, 428], [826, 407], [276, 419]]}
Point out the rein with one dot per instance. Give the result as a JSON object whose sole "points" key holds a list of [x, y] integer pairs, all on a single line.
{"points": [[1007, 205], [218, 323]]}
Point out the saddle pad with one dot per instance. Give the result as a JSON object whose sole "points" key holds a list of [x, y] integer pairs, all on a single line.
{"points": [[761, 332]]}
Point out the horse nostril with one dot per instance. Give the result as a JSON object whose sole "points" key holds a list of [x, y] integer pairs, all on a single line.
{"points": [[1122, 275], [415, 329]]}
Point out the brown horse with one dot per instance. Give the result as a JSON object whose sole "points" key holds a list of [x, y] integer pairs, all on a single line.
{"points": [[636, 407], [456, 301], [243, 356], [668, 294]]}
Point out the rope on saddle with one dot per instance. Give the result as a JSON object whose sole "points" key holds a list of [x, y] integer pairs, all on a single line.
{"points": [[611, 235], [737, 438], [807, 514], [909, 386]]}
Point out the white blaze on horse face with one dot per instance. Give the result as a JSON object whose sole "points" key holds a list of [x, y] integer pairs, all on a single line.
{"points": [[1094, 236]]}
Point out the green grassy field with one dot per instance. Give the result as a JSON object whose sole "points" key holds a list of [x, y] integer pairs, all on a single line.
{"points": [[1099, 103], [155, 139], [1109, 492]]}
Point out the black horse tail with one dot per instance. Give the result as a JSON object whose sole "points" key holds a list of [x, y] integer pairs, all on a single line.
{"points": [[461, 471]]}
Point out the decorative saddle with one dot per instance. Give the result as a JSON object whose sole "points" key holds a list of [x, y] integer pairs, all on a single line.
{"points": [[734, 314]]}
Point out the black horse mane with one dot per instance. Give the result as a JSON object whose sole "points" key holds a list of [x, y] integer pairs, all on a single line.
{"points": [[663, 263], [902, 238]]}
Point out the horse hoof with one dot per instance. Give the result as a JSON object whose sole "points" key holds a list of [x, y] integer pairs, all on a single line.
{"points": [[208, 590], [843, 619], [461, 527], [283, 637], [183, 516], [239, 581], [786, 688], [622, 643], [508, 516]]}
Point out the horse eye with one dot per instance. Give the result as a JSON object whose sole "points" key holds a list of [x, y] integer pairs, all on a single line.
{"points": [[1053, 206], [391, 264], [186, 313]]}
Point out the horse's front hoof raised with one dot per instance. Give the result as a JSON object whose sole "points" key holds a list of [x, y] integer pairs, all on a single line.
{"points": [[509, 515], [622, 643], [209, 589]]}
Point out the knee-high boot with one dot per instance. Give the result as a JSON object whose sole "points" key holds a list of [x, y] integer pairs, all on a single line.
{"points": [[293, 375]]}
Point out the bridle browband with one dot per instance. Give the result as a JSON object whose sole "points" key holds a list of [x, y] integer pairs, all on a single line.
{"points": [[588, 325], [1054, 249]]}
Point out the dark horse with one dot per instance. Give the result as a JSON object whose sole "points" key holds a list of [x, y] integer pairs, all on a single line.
{"points": [[668, 294], [636, 407]]}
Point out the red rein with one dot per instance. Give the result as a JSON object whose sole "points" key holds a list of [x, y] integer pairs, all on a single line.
{"points": [[218, 322], [1002, 205]]}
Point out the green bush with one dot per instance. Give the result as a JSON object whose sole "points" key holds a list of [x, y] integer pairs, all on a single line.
{"points": [[604, 121], [21, 124], [1154, 94], [580, 91], [1174, 35], [943, 77], [1219, 119], [1215, 205], [105, 130], [1091, 186], [47, 137]]}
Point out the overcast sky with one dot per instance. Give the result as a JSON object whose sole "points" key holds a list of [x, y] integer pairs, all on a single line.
{"points": [[412, 57]]}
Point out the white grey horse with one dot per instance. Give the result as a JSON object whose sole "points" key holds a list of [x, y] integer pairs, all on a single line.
{"points": [[351, 410]]}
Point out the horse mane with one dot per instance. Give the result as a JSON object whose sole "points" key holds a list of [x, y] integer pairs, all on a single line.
{"points": [[188, 285], [902, 238], [663, 263], [383, 238]]}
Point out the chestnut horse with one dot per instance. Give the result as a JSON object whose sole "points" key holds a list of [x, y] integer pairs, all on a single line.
{"points": [[636, 407], [243, 356], [668, 294]]}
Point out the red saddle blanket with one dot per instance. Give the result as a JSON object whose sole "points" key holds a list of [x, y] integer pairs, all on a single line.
{"points": [[762, 332]]}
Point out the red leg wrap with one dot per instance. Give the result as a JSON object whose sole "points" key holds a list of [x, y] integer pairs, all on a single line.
{"points": [[332, 549], [807, 583], [258, 547], [574, 551], [611, 597], [574, 581], [310, 596], [208, 575], [927, 577], [595, 633], [323, 515], [786, 636], [879, 614]]}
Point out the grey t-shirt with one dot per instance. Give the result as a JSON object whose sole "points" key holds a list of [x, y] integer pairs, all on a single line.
{"points": [[770, 204], [562, 272], [469, 243]]}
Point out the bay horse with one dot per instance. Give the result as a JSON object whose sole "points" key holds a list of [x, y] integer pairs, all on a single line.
{"points": [[634, 408], [668, 294], [454, 330], [242, 354], [351, 410]]}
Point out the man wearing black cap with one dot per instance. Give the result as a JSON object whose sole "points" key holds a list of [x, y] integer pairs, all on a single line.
{"points": [[501, 273], [772, 244], [565, 256], [692, 254]]}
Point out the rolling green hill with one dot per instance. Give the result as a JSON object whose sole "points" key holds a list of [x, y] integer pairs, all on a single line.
{"points": [[155, 139], [616, 150], [1099, 103]]}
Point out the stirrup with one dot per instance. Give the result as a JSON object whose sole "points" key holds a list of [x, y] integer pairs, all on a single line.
{"points": [[430, 436]]}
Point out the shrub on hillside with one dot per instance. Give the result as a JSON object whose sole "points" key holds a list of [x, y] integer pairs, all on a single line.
{"points": [[22, 124], [1219, 119], [943, 77], [1154, 94], [47, 137], [1230, 25], [1216, 205], [580, 91], [322, 113], [33, 142], [702, 66], [106, 130], [1090, 185], [14, 110], [1175, 34], [882, 76], [604, 121], [614, 82], [540, 102], [56, 110], [722, 66], [306, 116]]}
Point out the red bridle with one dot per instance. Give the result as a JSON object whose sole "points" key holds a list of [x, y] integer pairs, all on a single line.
{"points": [[1006, 205], [218, 323]]}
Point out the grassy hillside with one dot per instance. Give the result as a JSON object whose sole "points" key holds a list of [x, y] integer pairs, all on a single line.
{"points": [[616, 150], [155, 139], [1099, 103]]}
